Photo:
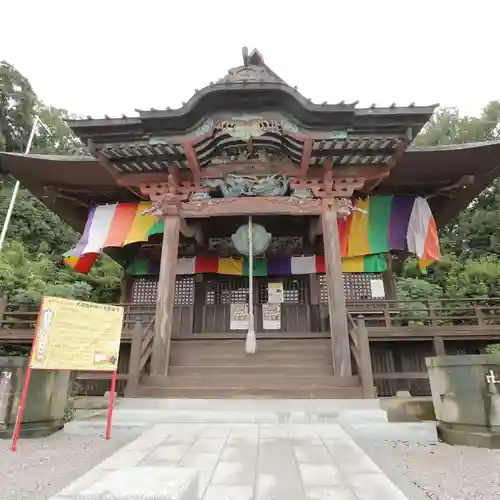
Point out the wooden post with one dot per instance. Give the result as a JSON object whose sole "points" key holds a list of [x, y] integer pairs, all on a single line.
{"points": [[387, 316], [432, 313], [339, 332], [3, 307], [366, 369], [165, 299], [439, 348], [388, 279], [134, 367], [479, 315]]}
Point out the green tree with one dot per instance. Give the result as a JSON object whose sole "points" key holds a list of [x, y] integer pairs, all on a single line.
{"points": [[17, 101], [31, 260], [471, 242]]}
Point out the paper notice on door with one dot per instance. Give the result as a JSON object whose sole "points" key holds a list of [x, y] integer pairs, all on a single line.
{"points": [[239, 317], [271, 316], [275, 293], [377, 288]]}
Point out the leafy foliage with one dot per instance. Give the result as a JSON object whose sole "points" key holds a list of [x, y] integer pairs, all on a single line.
{"points": [[31, 259], [470, 266]]}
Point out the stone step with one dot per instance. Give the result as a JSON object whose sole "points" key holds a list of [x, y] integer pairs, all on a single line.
{"points": [[249, 381], [211, 392]]}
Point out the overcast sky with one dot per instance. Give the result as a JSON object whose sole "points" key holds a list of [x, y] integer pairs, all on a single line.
{"points": [[110, 57]]}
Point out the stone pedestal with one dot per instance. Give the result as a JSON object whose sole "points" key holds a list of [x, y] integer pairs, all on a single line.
{"points": [[45, 402], [466, 397]]}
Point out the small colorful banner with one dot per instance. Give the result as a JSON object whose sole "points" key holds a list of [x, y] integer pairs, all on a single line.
{"points": [[381, 224], [279, 266]]}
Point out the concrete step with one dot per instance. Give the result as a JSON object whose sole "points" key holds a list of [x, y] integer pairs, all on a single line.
{"points": [[295, 406], [274, 392], [249, 381], [132, 419]]}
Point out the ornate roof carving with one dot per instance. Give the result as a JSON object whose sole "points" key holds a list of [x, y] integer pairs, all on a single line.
{"points": [[249, 74], [253, 70]]}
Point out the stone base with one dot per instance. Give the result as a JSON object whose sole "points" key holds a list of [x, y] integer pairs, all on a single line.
{"points": [[412, 409], [33, 429], [469, 438]]}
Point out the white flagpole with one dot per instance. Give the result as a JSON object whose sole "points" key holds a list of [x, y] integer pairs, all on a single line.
{"points": [[251, 341], [16, 186]]}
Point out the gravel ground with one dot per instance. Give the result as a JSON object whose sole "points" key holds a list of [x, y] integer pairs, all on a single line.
{"points": [[42, 467], [446, 472]]}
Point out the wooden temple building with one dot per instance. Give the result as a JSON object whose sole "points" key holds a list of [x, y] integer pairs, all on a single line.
{"points": [[336, 195]]}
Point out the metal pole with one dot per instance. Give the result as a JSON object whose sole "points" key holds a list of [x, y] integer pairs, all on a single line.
{"points": [[16, 187], [251, 342]]}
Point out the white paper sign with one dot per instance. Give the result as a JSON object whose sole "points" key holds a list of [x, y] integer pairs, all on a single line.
{"points": [[377, 287], [275, 293], [239, 317], [271, 316]]}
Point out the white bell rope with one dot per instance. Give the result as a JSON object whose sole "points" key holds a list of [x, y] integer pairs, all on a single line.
{"points": [[251, 341]]}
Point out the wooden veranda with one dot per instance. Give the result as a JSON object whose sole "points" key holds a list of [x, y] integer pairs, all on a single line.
{"points": [[398, 335]]}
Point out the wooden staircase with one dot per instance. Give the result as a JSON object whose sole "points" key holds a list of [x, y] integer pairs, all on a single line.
{"points": [[281, 368]]}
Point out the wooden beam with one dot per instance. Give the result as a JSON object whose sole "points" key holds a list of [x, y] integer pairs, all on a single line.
{"points": [[192, 161], [104, 161], [290, 169], [390, 164], [339, 333], [221, 207], [127, 180], [165, 300], [306, 157], [159, 158]]}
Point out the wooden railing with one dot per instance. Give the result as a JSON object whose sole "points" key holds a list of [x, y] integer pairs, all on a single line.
{"points": [[377, 313], [427, 313], [23, 317], [140, 355], [360, 348]]}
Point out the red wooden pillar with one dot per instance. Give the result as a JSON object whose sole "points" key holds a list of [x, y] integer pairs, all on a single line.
{"points": [[165, 298]]}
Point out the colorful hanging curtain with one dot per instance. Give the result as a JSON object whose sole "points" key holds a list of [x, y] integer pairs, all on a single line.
{"points": [[381, 224], [384, 223], [286, 266]]}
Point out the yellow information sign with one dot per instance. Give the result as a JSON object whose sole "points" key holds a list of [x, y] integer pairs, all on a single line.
{"points": [[77, 335]]}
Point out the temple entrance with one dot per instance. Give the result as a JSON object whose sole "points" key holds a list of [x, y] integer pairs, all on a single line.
{"points": [[208, 358], [218, 293]]}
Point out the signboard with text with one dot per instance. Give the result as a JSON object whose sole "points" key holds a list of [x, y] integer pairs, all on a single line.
{"points": [[239, 317], [77, 335]]}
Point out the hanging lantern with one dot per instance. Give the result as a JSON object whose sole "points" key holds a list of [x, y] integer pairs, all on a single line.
{"points": [[260, 239]]}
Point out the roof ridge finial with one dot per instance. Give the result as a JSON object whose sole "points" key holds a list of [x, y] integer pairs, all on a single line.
{"points": [[244, 51]]}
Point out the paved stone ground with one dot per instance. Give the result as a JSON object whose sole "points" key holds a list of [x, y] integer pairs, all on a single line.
{"points": [[446, 472], [239, 462], [42, 467]]}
